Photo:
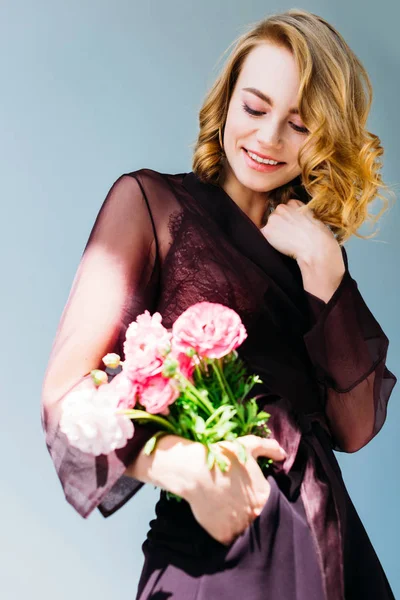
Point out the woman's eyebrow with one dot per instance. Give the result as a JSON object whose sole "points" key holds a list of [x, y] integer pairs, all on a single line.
{"points": [[267, 99]]}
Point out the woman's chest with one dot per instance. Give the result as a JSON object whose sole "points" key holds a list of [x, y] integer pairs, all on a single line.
{"points": [[202, 266]]}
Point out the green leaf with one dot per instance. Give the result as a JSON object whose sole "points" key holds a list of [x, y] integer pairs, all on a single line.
{"points": [[240, 411], [199, 425], [221, 430], [251, 410], [151, 443], [221, 462], [215, 414], [242, 453], [263, 415], [210, 459], [185, 421], [171, 496]]}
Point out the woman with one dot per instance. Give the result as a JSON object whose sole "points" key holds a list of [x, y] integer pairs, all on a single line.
{"points": [[292, 91]]}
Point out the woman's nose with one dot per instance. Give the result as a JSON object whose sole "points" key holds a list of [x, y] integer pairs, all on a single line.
{"points": [[269, 134]]}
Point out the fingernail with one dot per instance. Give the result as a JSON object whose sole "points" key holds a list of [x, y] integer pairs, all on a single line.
{"points": [[283, 453]]}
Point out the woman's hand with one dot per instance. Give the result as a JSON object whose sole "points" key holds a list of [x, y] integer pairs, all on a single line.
{"points": [[298, 234], [301, 236], [225, 503]]}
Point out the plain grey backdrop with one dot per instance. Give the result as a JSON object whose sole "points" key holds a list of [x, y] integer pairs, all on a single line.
{"points": [[91, 90]]}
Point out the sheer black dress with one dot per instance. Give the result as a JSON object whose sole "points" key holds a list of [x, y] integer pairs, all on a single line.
{"points": [[163, 242]]}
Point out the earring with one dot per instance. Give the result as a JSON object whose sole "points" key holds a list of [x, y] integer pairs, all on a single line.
{"points": [[220, 139]]}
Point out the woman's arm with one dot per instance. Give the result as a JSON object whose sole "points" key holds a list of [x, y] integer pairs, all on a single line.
{"points": [[322, 276], [115, 281], [348, 350]]}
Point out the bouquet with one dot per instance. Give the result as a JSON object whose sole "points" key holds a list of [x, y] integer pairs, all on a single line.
{"points": [[189, 381]]}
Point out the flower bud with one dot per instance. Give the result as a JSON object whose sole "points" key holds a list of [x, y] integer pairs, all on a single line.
{"points": [[170, 367], [99, 377], [111, 360], [165, 350]]}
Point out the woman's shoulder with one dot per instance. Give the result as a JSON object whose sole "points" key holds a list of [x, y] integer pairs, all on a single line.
{"points": [[161, 191], [152, 176]]}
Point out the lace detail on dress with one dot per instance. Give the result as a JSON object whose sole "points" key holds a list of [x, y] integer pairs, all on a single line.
{"points": [[175, 222], [197, 269]]}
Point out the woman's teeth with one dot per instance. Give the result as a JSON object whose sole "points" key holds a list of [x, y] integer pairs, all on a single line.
{"points": [[265, 161]]}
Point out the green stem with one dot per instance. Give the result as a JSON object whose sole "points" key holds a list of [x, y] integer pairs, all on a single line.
{"points": [[216, 365], [134, 413], [198, 372], [215, 415], [196, 397], [233, 399]]}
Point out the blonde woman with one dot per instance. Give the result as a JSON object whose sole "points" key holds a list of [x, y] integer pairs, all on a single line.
{"points": [[284, 171]]}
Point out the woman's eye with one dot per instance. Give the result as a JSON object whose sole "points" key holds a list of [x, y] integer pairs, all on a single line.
{"points": [[258, 113], [299, 129], [254, 113]]}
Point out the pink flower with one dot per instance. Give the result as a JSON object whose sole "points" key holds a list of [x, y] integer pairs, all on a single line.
{"points": [[146, 340], [158, 393], [212, 329], [90, 422], [186, 363], [126, 390]]}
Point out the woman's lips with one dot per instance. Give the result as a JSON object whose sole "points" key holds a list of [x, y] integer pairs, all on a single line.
{"points": [[262, 156], [257, 166]]}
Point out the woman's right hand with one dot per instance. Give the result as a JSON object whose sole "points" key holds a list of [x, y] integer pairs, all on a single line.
{"points": [[225, 503]]}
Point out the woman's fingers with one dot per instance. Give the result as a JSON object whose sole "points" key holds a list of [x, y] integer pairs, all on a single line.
{"points": [[256, 446], [259, 446]]}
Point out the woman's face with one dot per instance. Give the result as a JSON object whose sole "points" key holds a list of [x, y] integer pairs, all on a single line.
{"points": [[274, 130]]}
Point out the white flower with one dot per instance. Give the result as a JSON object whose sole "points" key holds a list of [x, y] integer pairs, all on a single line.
{"points": [[90, 422]]}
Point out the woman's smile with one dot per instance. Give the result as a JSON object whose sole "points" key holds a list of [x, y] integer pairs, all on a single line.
{"points": [[259, 166]]}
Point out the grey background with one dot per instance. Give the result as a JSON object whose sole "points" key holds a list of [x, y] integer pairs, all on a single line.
{"points": [[90, 90]]}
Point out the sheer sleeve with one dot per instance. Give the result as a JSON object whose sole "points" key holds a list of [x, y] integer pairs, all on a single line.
{"points": [[115, 281], [348, 350]]}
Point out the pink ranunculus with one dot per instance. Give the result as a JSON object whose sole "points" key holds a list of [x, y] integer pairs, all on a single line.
{"points": [[146, 339], [158, 393], [186, 363], [212, 329], [126, 389], [90, 422]]}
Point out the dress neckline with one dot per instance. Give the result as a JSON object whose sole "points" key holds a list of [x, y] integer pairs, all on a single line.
{"points": [[238, 208], [282, 271]]}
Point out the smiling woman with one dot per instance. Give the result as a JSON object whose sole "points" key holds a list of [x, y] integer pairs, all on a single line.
{"points": [[165, 241], [263, 132], [284, 94]]}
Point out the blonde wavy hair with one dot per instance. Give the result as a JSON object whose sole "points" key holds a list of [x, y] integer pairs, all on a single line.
{"points": [[340, 159]]}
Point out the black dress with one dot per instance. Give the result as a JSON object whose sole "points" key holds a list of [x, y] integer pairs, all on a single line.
{"points": [[163, 242]]}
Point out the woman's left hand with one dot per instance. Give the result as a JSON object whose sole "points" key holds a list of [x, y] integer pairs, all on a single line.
{"points": [[298, 234], [311, 243]]}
